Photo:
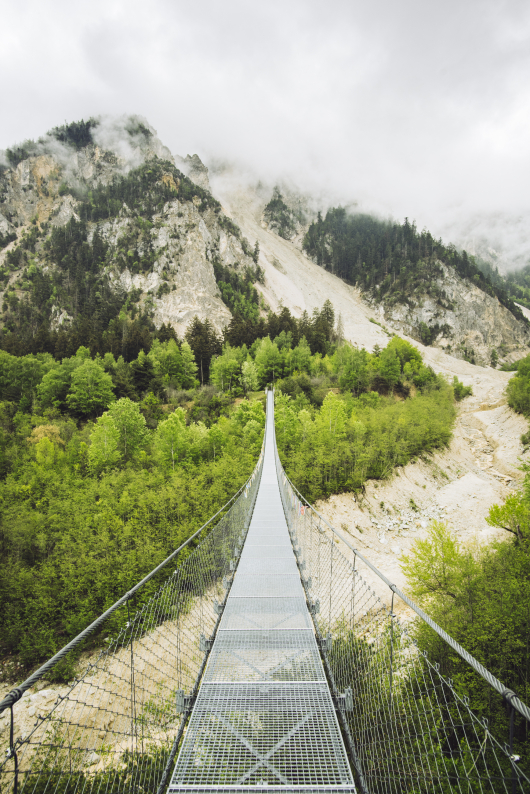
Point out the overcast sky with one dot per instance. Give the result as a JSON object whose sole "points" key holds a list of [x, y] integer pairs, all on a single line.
{"points": [[412, 107]]}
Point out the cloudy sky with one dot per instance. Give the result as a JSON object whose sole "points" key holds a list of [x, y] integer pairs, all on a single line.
{"points": [[415, 108]]}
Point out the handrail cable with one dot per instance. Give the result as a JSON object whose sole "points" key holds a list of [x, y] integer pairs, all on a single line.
{"points": [[12, 697], [506, 693]]}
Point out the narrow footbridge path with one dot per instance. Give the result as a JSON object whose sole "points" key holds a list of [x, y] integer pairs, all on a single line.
{"points": [[264, 715]]}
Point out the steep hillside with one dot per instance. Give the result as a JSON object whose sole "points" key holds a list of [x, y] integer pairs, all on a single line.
{"points": [[443, 309], [93, 217], [431, 292], [99, 221]]}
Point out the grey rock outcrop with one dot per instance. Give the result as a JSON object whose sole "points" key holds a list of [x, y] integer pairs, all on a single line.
{"points": [[186, 237], [194, 168], [468, 318], [182, 284]]}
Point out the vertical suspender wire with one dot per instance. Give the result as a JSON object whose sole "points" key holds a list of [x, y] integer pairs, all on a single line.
{"points": [[330, 581], [392, 616], [354, 572], [12, 753], [133, 694]]}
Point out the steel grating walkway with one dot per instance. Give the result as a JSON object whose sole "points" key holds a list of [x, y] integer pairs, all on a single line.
{"points": [[264, 718]]}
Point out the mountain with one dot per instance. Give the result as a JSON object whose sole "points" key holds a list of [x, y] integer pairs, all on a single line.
{"points": [[374, 270], [106, 236], [98, 215]]}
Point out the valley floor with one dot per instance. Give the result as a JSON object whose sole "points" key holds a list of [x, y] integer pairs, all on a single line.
{"points": [[456, 486]]}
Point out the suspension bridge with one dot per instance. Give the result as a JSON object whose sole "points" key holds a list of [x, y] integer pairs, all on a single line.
{"points": [[257, 658]]}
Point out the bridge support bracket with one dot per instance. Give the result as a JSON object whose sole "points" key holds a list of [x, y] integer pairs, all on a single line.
{"points": [[217, 607], [344, 702], [314, 607], [325, 643], [184, 702]]}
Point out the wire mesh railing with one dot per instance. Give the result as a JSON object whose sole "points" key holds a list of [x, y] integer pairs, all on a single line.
{"points": [[407, 727], [117, 726]]}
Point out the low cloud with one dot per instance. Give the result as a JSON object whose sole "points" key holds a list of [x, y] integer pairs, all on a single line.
{"points": [[411, 108]]}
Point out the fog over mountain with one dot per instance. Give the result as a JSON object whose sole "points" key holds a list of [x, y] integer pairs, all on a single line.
{"points": [[414, 109]]}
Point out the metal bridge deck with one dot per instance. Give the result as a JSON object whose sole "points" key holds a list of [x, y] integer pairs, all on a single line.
{"points": [[264, 718]]}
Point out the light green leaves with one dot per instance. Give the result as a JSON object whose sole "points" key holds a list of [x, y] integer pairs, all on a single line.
{"points": [[249, 376], [104, 453], [171, 440], [130, 424], [118, 436], [91, 389]]}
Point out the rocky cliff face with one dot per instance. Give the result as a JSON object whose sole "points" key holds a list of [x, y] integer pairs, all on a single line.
{"points": [[170, 272], [464, 321]]}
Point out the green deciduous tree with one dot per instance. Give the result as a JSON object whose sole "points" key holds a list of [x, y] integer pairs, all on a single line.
{"points": [[249, 376], [225, 369], [167, 360], [91, 390], [104, 453], [269, 362], [171, 439], [131, 426], [390, 368]]}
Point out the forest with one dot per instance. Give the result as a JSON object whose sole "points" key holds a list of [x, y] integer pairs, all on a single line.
{"points": [[78, 280], [516, 283], [395, 262], [118, 439], [480, 594], [107, 465]]}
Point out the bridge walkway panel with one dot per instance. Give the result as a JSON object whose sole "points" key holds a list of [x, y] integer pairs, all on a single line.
{"points": [[264, 718]]}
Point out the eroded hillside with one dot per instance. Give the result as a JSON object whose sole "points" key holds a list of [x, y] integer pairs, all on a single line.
{"points": [[482, 464], [87, 228]]}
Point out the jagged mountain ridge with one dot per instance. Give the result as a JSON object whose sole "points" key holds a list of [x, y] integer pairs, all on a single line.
{"points": [[166, 267], [461, 315], [474, 319], [157, 232]]}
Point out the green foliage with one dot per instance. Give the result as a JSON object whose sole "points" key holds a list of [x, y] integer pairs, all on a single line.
{"points": [[85, 519], [131, 427], [280, 217], [237, 290], [518, 389], [205, 344], [89, 508], [393, 261], [481, 597], [5, 239], [144, 190], [317, 330], [460, 391], [78, 280], [90, 391], [171, 439], [350, 440], [78, 134], [104, 453], [516, 284], [16, 154]]}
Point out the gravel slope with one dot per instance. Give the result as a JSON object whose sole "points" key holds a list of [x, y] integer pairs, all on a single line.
{"points": [[458, 485]]}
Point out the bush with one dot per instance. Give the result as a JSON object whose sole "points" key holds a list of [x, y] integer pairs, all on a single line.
{"points": [[460, 391]]}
